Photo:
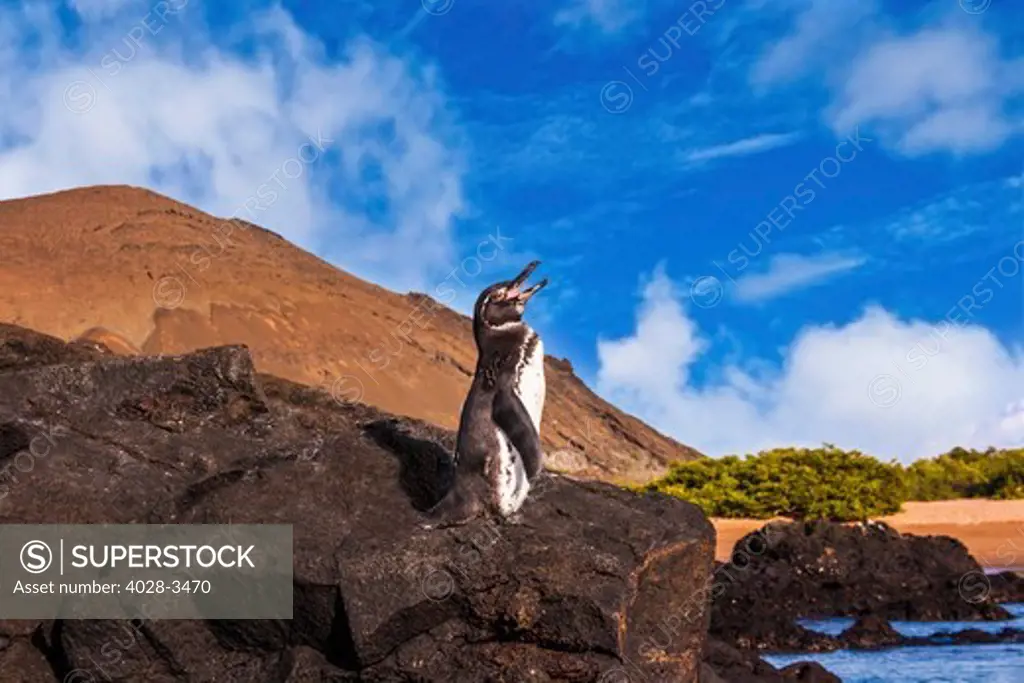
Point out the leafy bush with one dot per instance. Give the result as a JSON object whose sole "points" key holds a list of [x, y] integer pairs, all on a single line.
{"points": [[830, 483], [821, 483], [965, 473]]}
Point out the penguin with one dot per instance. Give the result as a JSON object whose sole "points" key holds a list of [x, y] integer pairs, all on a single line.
{"points": [[498, 452]]}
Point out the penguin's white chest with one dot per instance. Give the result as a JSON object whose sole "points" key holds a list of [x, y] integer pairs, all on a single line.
{"points": [[513, 484], [531, 387]]}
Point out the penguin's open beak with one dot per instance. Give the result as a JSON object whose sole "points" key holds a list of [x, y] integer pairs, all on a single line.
{"points": [[519, 295]]}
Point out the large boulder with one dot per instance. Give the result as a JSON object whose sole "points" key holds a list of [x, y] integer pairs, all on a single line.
{"points": [[824, 569], [592, 583]]}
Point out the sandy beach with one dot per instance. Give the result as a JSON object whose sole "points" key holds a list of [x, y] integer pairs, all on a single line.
{"points": [[992, 530]]}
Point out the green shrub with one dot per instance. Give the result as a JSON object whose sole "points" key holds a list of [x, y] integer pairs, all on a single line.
{"points": [[965, 473], [830, 483], [1007, 480], [822, 483]]}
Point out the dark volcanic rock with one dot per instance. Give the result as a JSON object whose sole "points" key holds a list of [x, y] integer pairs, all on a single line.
{"points": [[737, 666], [21, 348], [1005, 586], [970, 636], [593, 579], [22, 662], [871, 632], [822, 569], [781, 634], [809, 672], [1011, 635], [740, 666]]}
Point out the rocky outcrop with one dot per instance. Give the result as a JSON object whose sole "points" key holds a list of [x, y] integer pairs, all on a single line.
{"points": [[592, 583], [970, 636], [725, 663], [822, 569], [866, 633], [871, 632], [1004, 587], [808, 672]]}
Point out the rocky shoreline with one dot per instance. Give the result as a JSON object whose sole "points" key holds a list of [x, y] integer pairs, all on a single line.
{"points": [[594, 585], [868, 572]]}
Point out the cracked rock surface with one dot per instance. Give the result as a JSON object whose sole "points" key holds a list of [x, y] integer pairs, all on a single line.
{"points": [[593, 583]]}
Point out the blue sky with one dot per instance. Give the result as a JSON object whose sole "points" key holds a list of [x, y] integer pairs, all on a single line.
{"points": [[761, 219]]}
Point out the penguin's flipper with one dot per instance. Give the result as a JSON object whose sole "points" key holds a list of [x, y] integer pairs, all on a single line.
{"points": [[511, 416]]}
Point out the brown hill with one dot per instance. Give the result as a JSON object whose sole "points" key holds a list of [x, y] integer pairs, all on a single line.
{"points": [[139, 272]]}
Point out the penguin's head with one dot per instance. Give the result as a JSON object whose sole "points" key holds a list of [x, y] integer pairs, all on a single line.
{"points": [[501, 306]]}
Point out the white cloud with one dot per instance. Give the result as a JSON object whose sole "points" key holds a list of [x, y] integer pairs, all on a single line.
{"points": [[790, 272], [741, 148], [937, 89], [609, 16], [822, 29], [953, 386], [656, 358], [224, 132], [944, 87]]}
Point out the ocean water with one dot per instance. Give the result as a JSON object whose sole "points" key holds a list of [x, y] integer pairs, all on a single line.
{"points": [[931, 664]]}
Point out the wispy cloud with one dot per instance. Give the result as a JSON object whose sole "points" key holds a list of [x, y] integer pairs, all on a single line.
{"points": [[609, 16], [353, 157], [992, 207], [742, 148], [937, 89], [944, 84], [790, 272], [822, 35]]}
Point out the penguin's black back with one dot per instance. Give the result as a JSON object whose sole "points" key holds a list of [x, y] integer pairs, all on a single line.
{"points": [[477, 444], [496, 367]]}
